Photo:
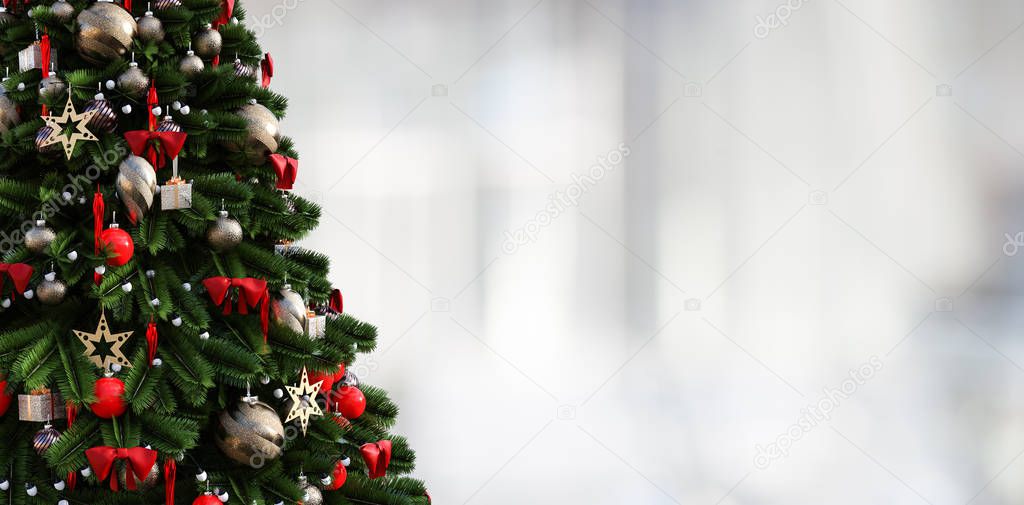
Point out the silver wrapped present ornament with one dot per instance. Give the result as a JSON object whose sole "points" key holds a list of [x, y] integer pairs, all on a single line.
{"points": [[41, 406], [316, 325], [32, 57], [176, 194], [286, 248]]}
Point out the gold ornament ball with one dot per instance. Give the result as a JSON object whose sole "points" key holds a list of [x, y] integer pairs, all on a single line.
{"points": [[191, 65], [136, 185], [251, 433], [263, 133], [151, 29], [51, 292], [208, 42], [310, 494], [105, 32], [148, 483], [51, 88], [64, 11], [289, 310], [133, 82], [39, 237], [224, 234], [9, 117]]}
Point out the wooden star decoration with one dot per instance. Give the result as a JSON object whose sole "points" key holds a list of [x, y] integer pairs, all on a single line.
{"points": [[102, 347], [303, 397], [69, 128]]}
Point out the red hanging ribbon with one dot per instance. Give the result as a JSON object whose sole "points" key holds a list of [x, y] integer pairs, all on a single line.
{"points": [[267, 66], [139, 462], [19, 273], [336, 302], [287, 170], [227, 10], [151, 340], [72, 413], [44, 60], [152, 100], [170, 474], [251, 293], [377, 456], [157, 147], [98, 210], [128, 5]]}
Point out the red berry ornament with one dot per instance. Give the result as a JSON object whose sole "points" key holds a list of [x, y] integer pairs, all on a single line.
{"points": [[118, 245], [207, 499], [109, 398], [338, 476], [350, 402], [5, 398]]}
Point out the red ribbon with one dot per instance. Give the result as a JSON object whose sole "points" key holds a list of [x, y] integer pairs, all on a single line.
{"points": [[267, 65], [139, 460], [377, 456], [152, 100], [151, 340], [287, 170], [128, 5], [72, 413], [227, 9], [44, 60], [252, 293], [336, 302], [170, 474], [20, 274], [158, 147], [98, 211]]}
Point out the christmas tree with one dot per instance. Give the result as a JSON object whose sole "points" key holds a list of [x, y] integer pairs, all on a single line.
{"points": [[163, 338]]}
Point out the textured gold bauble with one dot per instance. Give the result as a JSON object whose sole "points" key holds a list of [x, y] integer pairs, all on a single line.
{"points": [[263, 133], [310, 494], [51, 292], [208, 42], [250, 433], [146, 484], [64, 11], [52, 87], [105, 32], [289, 310], [133, 82], [39, 237], [191, 65], [225, 233], [151, 29], [136, 185]]}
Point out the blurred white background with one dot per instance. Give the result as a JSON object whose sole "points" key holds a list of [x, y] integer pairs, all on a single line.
{"points": [[810, 187]]}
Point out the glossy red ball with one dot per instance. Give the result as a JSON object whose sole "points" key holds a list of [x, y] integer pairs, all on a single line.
{"points": [[350, 402], [5, 398], [327, 378], [340, 374], [338, 476], [109, 398], [118, 245], [207, 499]]}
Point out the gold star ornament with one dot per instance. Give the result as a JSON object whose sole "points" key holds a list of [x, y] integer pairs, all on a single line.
{"points": [[303, 397], [69, 128], [102, 347]]}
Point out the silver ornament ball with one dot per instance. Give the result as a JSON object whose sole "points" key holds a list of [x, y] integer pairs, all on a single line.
{"points": [[225, 233], [151, 29], [52, 87], [133, 81], [105, 32], [39, 237], [310, 494], [51, 292], [136, 185], [251, 433], [64, 11], [208, 42], [289, 310], [9, 117], [151, 479], [191, 65], [263, 133]]}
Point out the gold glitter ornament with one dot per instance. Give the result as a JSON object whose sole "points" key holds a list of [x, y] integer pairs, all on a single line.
{"points": [[191, 65], [263, 133], [39, 237], [289, 310], [225, 233], [64, 11], [9, 117], [151, 29], [105, 32], [146, 484], [133, 81], [52, 87], [51, 291], [251, 433], [208, 42], [310, 494]]}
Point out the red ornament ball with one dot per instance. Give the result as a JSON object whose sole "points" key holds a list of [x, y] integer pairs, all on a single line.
{"points": [[5, 398], [118, 244], [207, 499], [350, 402], [109, 398], [338, 476], [340, 374], [327, 378]]}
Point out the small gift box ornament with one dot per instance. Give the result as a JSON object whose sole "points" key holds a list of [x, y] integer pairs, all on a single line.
{"points": [[40, 406], [316, 325], [286, 248], [33, 56], [176, 194]]}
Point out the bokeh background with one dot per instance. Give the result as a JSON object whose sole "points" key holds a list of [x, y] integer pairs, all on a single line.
{"points": [[811, 186]]}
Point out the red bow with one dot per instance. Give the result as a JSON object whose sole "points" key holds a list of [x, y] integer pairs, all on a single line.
{"points": [[20, 274], [226, 11], [252, 293], [287, 170], [138, 459], [267, 65], [377, 456], [337, 303], [170, 145]]}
